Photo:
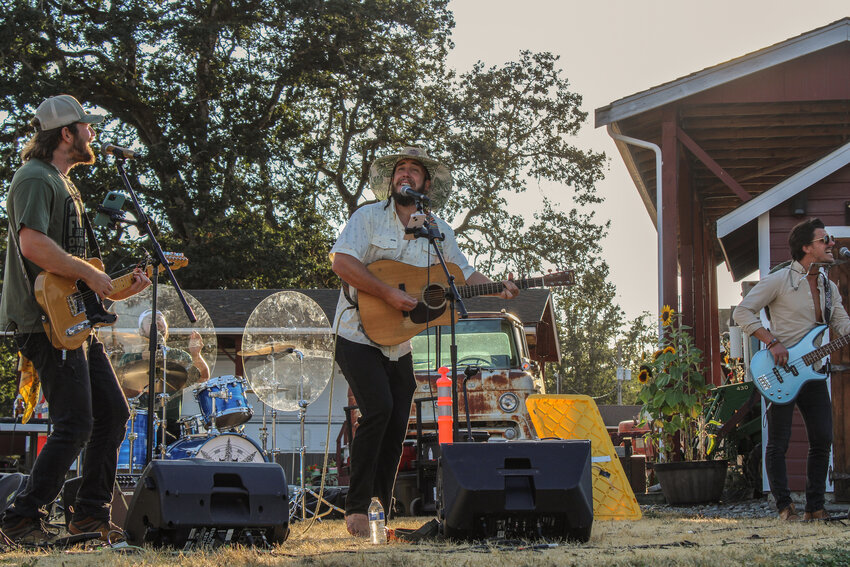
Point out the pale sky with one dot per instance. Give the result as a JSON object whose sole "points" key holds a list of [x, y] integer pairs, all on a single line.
{"points": [[611, 49]]}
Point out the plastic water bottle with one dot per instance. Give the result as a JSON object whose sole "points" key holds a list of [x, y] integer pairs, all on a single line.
{"points": [[377, 522]]}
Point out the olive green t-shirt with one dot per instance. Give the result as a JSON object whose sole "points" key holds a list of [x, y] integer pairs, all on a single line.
{"points": [[42, 199]]}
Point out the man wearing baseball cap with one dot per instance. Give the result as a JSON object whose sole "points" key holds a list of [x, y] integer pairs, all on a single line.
{"points": [[48, 232], [381, 377]]}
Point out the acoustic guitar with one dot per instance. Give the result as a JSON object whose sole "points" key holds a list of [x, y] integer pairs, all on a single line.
{"points": [[73, 309], [388, 326]]}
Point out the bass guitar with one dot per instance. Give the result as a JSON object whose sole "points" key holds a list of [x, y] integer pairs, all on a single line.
{"points": [[388, 326], [781, 384], [73, 309]]}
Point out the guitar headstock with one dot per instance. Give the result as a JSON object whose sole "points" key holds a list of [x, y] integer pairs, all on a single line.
{"points": [[176, 260], [564, 277]]}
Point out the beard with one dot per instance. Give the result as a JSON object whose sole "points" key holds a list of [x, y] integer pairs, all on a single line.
{"points": [[403, 200], [406, 200], [81, 152]]}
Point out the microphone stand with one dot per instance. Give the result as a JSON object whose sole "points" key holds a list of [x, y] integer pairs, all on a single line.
{"points": [[431, 231], [142, 222]]}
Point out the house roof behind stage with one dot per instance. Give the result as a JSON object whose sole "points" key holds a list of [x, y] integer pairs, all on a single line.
{"points": [[710, 77], [229, 309], [754, 132]]}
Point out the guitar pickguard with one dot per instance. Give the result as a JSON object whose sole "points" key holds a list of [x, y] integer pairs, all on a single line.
{"points": [[95, 313]]}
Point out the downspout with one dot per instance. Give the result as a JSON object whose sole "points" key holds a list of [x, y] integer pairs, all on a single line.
{"points": [[658, 213]]}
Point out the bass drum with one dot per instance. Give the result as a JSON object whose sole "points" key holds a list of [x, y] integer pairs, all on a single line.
{"points": [[227, 447]]}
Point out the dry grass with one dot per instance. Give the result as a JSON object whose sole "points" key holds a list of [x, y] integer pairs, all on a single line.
{"points": [[665, 539]]}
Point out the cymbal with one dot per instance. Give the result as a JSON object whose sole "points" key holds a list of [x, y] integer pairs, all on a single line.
{"points": [[133, 377], [261, 350]]}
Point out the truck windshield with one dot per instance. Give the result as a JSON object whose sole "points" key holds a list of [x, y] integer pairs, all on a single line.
{"points": [[487, 343]]}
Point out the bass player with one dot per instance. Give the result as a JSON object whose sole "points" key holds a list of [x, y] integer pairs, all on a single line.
{"points": [[797, 297]]}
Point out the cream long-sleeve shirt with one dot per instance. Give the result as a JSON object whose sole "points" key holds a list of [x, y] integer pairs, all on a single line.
{"points": [[792, 309]]}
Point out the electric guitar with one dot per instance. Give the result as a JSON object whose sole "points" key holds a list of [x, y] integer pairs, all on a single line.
{"points": [[388, 326], [73, 309], [781, 384]]}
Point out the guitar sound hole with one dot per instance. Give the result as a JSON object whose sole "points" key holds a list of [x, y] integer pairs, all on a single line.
{"points": [[434, 296]]}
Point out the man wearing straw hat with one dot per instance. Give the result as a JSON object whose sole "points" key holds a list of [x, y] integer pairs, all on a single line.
{"points": [[48, 232], [381, 377]]}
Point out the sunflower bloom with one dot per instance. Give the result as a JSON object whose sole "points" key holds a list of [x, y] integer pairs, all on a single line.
{"points": [[666, 315], [645, 374], [669, 349]]}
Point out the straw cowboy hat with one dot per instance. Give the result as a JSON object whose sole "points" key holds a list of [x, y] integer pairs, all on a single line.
{"points": [[381, 172]]}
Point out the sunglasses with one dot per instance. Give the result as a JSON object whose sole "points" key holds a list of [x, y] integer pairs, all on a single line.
{"points": [[826, 239]]}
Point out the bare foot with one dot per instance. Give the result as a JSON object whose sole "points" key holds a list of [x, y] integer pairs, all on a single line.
{"points": [[357, 525]]}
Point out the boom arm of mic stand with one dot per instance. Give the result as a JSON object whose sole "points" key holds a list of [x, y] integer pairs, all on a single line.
{"points": [[143, 222]]}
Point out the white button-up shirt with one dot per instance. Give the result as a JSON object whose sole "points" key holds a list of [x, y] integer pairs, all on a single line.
{"points": [[374, 232]]}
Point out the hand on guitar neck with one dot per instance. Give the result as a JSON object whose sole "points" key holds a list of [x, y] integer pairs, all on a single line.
{"points": [[509, 290]]}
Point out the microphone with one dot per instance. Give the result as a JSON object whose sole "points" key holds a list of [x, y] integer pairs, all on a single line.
{"points": [[118, 151], [110, 210], [844, 252], [408, 191]]}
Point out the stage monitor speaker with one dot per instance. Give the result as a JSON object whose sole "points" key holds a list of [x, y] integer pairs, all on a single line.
{"points": [[517, 489], [192, 504]]}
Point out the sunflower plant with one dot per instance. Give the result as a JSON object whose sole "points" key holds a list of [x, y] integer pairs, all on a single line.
{"points": [[674, 392]]}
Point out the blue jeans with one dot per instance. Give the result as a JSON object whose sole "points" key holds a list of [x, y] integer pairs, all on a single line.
{"points": [[384, 391], [87, 409], [816, 409]]}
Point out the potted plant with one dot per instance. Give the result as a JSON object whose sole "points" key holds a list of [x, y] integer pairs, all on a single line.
{"points": [[674, 392]]}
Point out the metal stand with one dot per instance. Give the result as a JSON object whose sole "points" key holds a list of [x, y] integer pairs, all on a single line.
{"points": [[131, 434], [143, 224], [300, 493], [264, 435], [163, 396]]}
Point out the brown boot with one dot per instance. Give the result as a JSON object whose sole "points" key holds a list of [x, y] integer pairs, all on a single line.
{"points": [[357, 525], [815, 516], [789, 514], [109, 532]]}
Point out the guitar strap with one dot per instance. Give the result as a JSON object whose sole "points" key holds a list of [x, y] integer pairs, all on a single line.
{"points": [[347, 295], [21, 259], [91, 241], [827, 299]]}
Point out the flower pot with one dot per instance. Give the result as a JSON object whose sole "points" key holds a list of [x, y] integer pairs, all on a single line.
{"points": [[693, 482]]}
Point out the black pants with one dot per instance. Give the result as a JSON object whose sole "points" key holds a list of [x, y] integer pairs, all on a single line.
{"points": [[816, 408], [384, 391], [87, 409]]}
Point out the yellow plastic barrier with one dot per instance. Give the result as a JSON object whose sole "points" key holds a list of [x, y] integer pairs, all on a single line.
{"points": [[577, 417]]}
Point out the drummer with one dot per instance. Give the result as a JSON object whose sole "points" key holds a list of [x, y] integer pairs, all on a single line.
{"points": [[197, 368]]}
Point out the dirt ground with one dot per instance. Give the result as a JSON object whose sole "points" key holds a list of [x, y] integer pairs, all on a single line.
{"points": [[667, 537]]}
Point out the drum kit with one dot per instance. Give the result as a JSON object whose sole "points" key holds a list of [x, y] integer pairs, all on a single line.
{"points": [[287, 358]]}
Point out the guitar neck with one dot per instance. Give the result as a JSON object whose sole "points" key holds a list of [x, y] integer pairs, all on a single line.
{"points": [[826, 349], [497, 287], [122, 282]]}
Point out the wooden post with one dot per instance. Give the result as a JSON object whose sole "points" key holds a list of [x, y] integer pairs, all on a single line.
{"points": [[670, 220]]}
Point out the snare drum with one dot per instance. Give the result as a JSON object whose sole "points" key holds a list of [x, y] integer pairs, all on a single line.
{"points": [[137, 429], [189, 426], [227, 447], [228, 394]]}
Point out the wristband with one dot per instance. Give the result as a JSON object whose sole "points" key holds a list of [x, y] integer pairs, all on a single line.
{"points": [[773, 342]]}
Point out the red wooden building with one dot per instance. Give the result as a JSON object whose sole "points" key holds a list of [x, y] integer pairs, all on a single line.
{"points": [[747, 149]]}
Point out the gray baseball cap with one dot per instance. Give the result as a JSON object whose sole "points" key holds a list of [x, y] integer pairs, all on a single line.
{"points": [[62, 110]]}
